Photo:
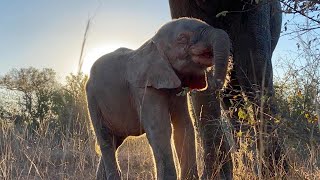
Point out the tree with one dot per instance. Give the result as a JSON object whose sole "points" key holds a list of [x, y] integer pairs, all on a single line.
{"points": [[309, 9], [298, 88], [300, 84], [37, 89], [71, 105]]}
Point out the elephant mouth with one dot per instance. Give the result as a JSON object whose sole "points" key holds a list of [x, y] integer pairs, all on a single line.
{"points": [[194, 82], [202, 56]]}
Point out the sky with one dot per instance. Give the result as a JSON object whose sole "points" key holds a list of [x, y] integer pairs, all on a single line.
{"points": [[49, 34]]}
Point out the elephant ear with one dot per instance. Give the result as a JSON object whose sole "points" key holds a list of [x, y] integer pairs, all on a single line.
{"points": [[147, 67]]}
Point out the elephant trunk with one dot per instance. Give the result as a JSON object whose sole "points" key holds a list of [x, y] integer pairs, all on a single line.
{"points": [[221, 48]]}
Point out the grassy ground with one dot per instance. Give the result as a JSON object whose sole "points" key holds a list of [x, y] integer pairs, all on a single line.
{"points": [[50, 154]]}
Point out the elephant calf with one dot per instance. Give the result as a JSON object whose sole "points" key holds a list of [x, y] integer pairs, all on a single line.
{"points": [[131, 92]]}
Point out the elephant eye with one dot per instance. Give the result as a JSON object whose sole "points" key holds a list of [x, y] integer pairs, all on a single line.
{"points": [[183, 39]]}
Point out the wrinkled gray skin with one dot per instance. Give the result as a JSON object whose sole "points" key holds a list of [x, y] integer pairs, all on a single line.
{"points": [[131, 92], [254, 32]]}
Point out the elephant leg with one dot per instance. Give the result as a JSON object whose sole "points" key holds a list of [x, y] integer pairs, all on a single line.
{"points": [[159, 140], [217, 157], [155, 118], [253, 71], [108, 168], [184, 138], [101, 173]]}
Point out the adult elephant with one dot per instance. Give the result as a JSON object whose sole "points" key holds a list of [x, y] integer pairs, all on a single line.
{"points": [[254, 30]]}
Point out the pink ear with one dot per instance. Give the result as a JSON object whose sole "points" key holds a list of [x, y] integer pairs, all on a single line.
{"points": [[195, 82]]}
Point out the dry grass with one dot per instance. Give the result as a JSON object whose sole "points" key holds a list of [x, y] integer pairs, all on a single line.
{"points": [[136, 159], [49, 154], [46, 154]]}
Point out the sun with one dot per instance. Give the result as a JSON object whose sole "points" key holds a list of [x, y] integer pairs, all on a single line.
{"points": [[95, 53]]}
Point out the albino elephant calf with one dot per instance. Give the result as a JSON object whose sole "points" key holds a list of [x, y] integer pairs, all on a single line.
{"points": [[131, 92]]}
